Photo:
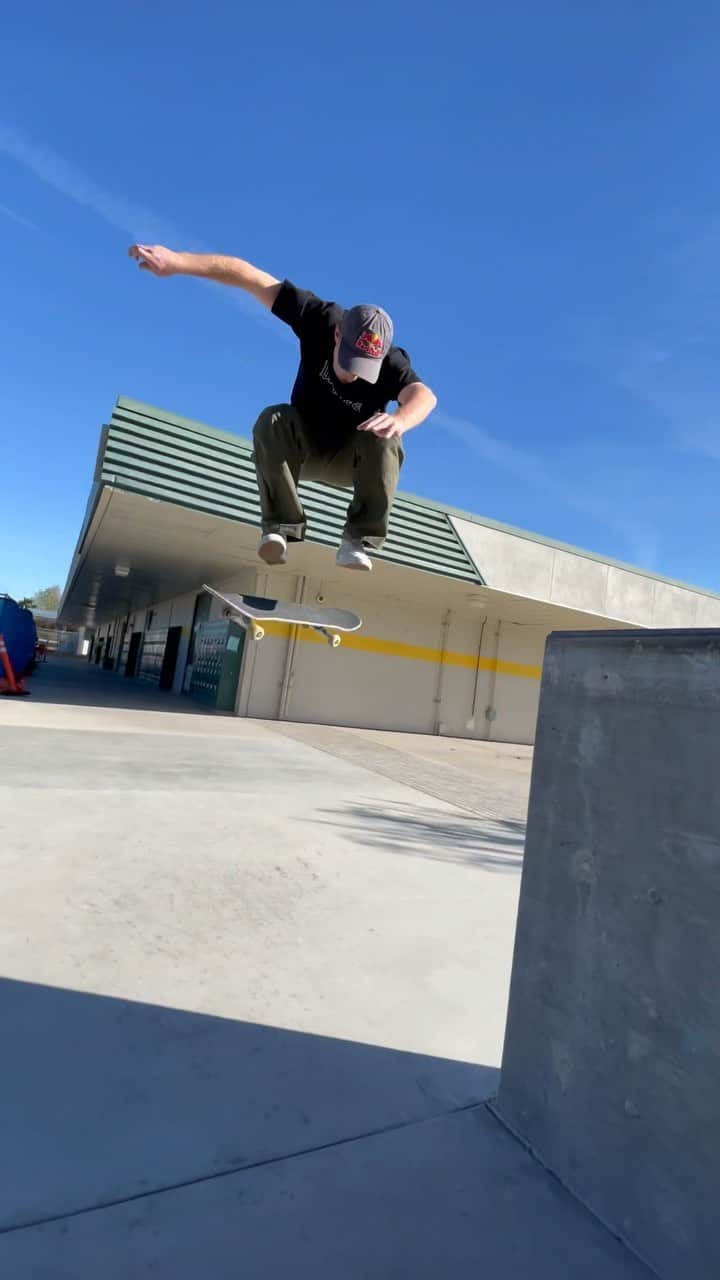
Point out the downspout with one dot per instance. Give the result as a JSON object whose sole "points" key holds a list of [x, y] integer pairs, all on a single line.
{"points": [[289, 671], [246, 676], [470, 724], [490, 712], [441, 670]]}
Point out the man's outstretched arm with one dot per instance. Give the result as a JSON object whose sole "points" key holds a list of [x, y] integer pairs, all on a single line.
{"points": [[207, 266]]}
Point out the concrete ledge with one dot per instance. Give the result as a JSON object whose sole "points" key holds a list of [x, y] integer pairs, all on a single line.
{"points": [[610, 1069]]}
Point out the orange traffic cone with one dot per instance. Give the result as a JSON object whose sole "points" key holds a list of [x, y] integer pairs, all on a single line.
{"points": [[9, 685]]}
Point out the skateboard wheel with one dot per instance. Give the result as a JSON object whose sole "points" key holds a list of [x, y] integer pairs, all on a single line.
{"points": [[335, 642], [258, 633]]}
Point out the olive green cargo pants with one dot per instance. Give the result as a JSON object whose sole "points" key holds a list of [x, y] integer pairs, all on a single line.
{"points": [[285, 453]]}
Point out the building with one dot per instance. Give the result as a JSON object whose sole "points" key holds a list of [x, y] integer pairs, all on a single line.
{"points": [[455, 613]]}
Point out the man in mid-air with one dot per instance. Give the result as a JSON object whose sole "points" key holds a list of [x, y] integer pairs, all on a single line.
{"points": [[336, 428]]}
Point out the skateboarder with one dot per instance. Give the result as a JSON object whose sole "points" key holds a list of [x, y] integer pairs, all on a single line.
{"points": [[336, 428]]}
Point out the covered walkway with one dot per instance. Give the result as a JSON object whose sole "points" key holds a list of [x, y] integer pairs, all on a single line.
{"points": [[64, 680]]}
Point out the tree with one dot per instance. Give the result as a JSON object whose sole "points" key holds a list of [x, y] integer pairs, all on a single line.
{"points": [[46, 598]]}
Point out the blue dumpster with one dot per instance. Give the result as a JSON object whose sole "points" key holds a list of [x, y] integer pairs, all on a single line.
{"points": [[17, 626]]}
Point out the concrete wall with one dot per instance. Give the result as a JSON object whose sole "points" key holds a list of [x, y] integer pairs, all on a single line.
{"points": [[377, 687], [514, 697], [357, 684], [510, 562], [611, 1067], [466, 689], [410, 668]]}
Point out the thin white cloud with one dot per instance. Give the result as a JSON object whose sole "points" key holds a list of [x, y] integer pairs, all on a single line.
{"points": [[641, 540], [137, 221], [56, 172], [706, 443], [683, 391], [18, 217], [490, 448], [674, 367]]}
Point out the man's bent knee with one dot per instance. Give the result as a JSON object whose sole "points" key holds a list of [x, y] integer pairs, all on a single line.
{"points": [[270, 420], [380, 446]]}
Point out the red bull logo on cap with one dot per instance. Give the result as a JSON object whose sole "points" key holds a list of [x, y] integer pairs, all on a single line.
{"points": [[371, 344]]}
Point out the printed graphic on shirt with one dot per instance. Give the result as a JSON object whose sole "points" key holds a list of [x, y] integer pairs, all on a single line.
{"points": [[356, 405]]}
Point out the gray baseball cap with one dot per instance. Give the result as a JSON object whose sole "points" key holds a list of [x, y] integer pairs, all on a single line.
{"points": [[367, 334]]}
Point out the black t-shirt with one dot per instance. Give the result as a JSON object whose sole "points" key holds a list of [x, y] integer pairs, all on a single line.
{"points": [[331, 409]]}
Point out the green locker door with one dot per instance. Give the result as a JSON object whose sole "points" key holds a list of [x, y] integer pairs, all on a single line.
{"points": [[217, 662]]}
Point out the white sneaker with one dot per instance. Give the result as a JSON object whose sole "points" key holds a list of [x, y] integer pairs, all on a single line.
{"points": [[273, 548], [352, 555]]}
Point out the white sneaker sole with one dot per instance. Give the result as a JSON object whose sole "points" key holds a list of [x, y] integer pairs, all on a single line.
{"points": [[363, 568], [272, 553]]}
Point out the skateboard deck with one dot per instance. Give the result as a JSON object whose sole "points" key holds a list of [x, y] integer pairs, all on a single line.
{"points": [[327, 621]]}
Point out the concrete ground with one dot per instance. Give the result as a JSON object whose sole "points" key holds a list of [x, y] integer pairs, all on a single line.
{"points": [[255, 982]]}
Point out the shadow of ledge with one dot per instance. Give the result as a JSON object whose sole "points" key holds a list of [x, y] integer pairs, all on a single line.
{"points": [[105, 1099]]}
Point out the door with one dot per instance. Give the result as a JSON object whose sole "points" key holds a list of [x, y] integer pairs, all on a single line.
{"points": [[218, 659], [107, 661], [119, 655], [167, 670], [133, 653], [201, 613]]}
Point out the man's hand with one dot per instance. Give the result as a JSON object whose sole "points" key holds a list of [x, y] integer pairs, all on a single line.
{"points": [[385, 425], [155, 258], [415, 402]]}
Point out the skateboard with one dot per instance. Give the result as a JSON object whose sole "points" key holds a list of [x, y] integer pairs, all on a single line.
{"points": [[327, 621]]}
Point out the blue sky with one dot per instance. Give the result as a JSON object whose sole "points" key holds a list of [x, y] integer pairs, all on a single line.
{"points": [[530, 189]]}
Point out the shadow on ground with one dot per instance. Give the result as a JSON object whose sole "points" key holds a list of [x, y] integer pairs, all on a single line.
{"points": [[147, 1141], [494, 844], [105, 1099], [74, 682]]}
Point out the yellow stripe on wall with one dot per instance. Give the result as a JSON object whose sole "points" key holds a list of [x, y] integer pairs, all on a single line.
{"points": [[413, 652]]}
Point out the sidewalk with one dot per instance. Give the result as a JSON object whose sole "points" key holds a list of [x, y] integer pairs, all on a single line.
{"points": [[254, 999]]}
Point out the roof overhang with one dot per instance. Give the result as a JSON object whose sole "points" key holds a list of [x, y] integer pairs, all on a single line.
{"points": [[137, 551], [174, 503]]}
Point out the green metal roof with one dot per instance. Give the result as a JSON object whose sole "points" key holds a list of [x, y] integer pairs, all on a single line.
{"points": [[147, 451]]}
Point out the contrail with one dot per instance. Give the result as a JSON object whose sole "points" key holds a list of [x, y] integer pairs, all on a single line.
{"points": [[531, 470], [136, 220], [17, 217]]}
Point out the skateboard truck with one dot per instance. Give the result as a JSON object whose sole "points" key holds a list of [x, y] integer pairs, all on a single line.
{"points": [[332, 637], [257, 631]]}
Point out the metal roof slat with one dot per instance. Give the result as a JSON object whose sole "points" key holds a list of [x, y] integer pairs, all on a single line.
{"points": [[136, 408], [180, 482], [211, 437], [399, 537], [180, 442], [156, 491], [147, 459]]}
